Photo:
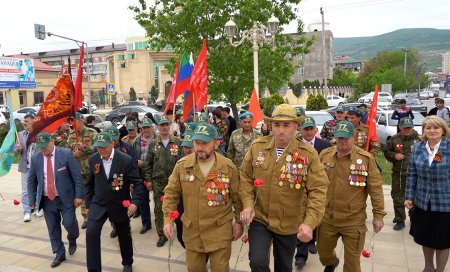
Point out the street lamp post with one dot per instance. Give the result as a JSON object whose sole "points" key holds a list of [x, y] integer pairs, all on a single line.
{"points": [[40, 34], [257, 35], [419, 76]]}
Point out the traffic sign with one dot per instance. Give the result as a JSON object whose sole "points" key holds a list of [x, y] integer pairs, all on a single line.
{"points": [[111, 88]]}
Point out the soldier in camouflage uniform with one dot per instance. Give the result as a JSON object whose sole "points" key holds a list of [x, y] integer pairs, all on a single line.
{"points": [[162, 155], [132, 133], [398, 151], [81, 151], [362, 132], [61, 135], [241, 139], [327, 132]]}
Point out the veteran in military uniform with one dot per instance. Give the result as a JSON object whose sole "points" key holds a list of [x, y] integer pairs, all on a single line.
{"points": [[162, 155], [132, 133], [398, 151], [82, 149], [353, 175], [327, 132], [276, 211], [209, 185], [241, 139], [61, 135], [361, 132]]}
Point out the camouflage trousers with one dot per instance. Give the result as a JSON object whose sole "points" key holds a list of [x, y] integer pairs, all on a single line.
{"points": [[398, 196], [83, 204], [158, 191]]}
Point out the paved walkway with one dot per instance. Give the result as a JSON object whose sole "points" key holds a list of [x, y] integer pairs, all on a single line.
{"points": [[24, 247]]}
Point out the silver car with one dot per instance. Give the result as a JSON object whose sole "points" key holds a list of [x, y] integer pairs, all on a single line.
{"points": [[387, 127]]}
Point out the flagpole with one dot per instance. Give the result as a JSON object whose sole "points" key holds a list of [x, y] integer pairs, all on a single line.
{"points": [[173, 117], [193, 102]]}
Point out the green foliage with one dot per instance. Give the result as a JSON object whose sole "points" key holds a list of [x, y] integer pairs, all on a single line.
{"points": [[271, 103], [344, 77], [132, 94], [182, 25], [296, 89], [314, 83], [154, 93], [316, 102]]}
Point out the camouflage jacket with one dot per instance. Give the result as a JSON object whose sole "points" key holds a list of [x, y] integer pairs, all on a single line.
{"points": [[400, 144], [360, 136], [86, 136], [161, 160], [127, 139], [239, 145], [60, 137], [327, 132]]}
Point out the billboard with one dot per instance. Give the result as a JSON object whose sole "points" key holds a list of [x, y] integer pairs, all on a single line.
{"points": [[17, 73]]}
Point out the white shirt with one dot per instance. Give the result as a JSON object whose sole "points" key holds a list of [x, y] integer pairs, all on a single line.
{"points": [[107, 163], [432, 153], [310, 142], [45, 172]]}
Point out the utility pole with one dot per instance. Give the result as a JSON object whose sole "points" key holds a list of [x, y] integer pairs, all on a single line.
{"points": [[405, 50], [324, 56]]}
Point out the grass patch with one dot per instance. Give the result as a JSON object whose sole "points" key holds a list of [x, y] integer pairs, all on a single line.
{"points": [[386, 167]]}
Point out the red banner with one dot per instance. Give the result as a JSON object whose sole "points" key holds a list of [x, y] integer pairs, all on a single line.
{"points": [[255, 108], [371, 121], [199, 79]]}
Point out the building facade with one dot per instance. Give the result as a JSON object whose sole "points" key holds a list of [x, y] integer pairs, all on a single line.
{"points": [[446, 62]]}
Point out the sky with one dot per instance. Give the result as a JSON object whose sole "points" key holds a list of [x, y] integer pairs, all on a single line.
{"points": [[102, 22]]}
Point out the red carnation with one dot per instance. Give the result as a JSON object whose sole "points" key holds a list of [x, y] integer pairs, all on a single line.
{"points": [[161, 198], [126, 203], [62, 136], [16, 202], [258, 183], [399, 147], [145, 183], [244, 238], [365, 253], [173, 215]]}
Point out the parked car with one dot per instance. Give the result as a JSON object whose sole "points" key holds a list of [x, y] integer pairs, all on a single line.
{"points": [[446, 101], [414, 103], [93, 106], [20, 114], [116, 115], [425, 95], [5, 110], [384, 103], [387, 127], [334, 100], [99, 121], [320, 117], [332, 110], [367, 99], [130, 103]]}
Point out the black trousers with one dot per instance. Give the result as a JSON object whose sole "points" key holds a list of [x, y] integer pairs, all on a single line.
{"points": [[302, 248], [93, 246], [260, 240]]}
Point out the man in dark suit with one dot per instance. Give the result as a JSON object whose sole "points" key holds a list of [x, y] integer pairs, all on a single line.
{"points": [[108, 196], [308, 131], [55, 183]]}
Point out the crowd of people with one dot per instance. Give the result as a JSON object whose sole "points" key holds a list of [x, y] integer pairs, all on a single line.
{"points": [[296, 190]]}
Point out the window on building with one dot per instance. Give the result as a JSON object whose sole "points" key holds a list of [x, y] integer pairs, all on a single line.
{"points": [[130, 46], [123, 65], [300, 71], [2, 99], [131, 56], [140, 45], [299, 57], [38, 97], [120, 57], [22, 98]]}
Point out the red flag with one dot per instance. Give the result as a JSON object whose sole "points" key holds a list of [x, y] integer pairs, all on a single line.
{"points": [[78, 97], [172, 98], [371, 121], [199, 78], [255, 108], [56, 108], [188, 105]]}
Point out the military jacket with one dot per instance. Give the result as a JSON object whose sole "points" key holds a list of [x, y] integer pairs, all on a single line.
{"points": [[127, 139], [86, 136], [352, 178], [327, 132], [60, 137], [161, 160], [280, 202], [210, 203], [360, 136], [400, 144], [239, 145]]}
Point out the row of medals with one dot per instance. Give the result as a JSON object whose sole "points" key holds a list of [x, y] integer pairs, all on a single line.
{"points": [[118, 182], [362, 138], [217, 190], [294, 172], [358, 174]]}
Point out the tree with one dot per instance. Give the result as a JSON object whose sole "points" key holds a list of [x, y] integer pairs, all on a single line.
{"points": [[132, 94], [153, 93], [271, 103], [344, 77], [316, 102], [182, 25], [296, 89]]}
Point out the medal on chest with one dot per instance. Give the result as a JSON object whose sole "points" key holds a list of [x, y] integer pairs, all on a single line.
{"points": [[293, 173], [157, 147], [173, 149], [358, 174], [217, 187], [117, 182], [260, 159], [189, 176]]}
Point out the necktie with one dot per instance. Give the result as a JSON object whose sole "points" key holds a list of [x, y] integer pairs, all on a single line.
{"points": [[51, 192]]}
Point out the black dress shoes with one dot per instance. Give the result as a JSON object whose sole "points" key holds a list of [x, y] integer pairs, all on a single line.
{"points": [[312, 248], [161, 241], [84, 225], [72, 247], [300, 262], [145, 229], [331, 267], [127, 268], [399, 225], [113, 233], [58, 260]]}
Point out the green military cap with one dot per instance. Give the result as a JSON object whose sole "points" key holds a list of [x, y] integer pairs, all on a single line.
{"points": [[300, 111], [103, 139], [162, 120], [340, 108], [205, 133], [114, 132], [131, 125], [354, 111], [190, 127], [43, 139], [344, 129], [308, 122], [202, 118], [187, 140], [406, 122], [79, 116], [146, 122]]}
